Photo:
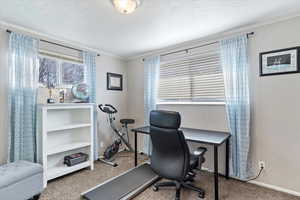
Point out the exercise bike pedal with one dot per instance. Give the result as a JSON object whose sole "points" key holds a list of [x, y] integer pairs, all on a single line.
{"points": [[113, 164], [155, 188]]}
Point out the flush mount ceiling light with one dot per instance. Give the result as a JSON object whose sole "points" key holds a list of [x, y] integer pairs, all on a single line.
{"points": [[126, 6]]}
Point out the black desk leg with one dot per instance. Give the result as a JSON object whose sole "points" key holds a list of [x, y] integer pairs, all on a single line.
{"points": [[216, 172], [135, 149], [227, 159]]}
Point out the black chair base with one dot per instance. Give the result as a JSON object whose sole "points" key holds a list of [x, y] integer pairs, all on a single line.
{"points": [[179, 185], [36, 197]]}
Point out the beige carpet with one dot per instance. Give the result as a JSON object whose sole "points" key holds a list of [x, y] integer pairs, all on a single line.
{"points": [[70, 186]]}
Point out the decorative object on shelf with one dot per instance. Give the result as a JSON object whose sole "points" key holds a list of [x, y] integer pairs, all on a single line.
{"points": [[50, 86], [50, 99], [43, 95], [126, 6], [62, 93], [49, 78], [68, 95], [114, 81], [75, 159], [80, 93], [282, 61]]}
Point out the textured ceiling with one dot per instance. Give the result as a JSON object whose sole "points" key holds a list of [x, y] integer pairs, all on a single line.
{"points": [[156, 24]]}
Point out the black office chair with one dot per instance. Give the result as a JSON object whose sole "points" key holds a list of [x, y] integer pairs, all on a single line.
{"points": [[171, 158]]}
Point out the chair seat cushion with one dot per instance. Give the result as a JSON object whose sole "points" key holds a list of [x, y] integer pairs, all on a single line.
{"points": [[127, 121], [15, 172]]}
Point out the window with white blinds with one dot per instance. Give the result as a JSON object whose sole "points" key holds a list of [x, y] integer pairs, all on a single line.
{"points": [[195, 76]]}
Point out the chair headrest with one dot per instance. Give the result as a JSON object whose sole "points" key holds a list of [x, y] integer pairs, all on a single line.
{"points": [[165, 119]]}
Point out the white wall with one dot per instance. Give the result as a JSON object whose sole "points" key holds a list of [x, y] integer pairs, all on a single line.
{"points": [[117, 98], [135, 83], [275, 136], [104, 64], [276, 113]]}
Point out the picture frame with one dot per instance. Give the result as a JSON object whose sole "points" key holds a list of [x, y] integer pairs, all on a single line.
{"points": [[278, 62], [114, 81]]}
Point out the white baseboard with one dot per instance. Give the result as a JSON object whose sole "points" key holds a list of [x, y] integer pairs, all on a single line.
{"points": [[269, 186], [277, 188]]}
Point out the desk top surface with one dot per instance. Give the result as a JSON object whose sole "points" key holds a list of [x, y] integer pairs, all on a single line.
{"points": [[195, 135]]}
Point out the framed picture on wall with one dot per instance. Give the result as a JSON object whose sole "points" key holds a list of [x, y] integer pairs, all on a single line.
{"points": [[114, 81], [282, 61]]}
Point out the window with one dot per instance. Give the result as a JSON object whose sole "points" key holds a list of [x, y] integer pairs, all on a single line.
{"points": [[193, 77], [48, 72], [72, 73], [55, 72]]}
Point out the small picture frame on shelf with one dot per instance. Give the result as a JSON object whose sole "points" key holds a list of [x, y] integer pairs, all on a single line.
{"points": [[114, 81], [282, 61]]}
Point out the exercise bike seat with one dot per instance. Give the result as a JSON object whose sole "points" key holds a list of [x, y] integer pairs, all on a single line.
{"points": [[127, 121]]}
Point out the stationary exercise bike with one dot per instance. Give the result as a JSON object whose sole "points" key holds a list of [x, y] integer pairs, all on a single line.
{"points": [[122, 135]]}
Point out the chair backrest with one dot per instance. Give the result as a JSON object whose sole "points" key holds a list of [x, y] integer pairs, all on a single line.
{"points": [[170, 156]]}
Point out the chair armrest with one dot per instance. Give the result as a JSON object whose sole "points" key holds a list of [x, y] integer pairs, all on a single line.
{"points": [[199, 154], [200, 151]]}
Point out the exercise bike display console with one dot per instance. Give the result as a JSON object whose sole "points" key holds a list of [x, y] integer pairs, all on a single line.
{"points": [[122, 134]]}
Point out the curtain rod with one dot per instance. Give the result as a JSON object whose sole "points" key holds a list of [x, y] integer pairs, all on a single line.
{"points": [[57, 44], [203, 45]]}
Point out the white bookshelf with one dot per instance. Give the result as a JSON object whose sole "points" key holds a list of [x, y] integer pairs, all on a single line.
{"points": [[58, 171], [64, 129], [67, 147], [67, 126]]}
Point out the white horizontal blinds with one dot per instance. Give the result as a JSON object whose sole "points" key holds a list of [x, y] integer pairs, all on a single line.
{"points": [[195, 76], [175, 81], [53, 50], [207, 78]]}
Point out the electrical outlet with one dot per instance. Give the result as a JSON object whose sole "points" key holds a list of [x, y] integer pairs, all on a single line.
{"points": [[261, 164]]}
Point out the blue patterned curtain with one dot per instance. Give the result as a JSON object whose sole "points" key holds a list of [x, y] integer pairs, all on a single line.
{"points": [[22, 94], [151, 77], [89, 60], [234, 59]]}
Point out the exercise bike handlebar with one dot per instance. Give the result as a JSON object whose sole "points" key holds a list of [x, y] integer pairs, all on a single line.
{"points": [[112, 107], [107, 108]]}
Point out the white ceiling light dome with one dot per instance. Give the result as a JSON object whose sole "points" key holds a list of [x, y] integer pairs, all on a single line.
{"points": [[126, 6]]}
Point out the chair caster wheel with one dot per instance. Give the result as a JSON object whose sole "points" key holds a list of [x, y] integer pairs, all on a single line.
{"points": [[36, 197], [201, 195], [192, 174], [155, 189]]}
